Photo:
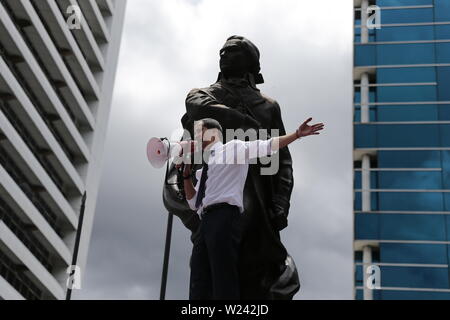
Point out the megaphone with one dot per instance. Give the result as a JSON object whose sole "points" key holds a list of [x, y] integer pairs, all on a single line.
{"points": [[160, 150]]}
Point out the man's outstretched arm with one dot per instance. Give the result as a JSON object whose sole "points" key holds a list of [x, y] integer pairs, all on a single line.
{"points": [[262, 148]]}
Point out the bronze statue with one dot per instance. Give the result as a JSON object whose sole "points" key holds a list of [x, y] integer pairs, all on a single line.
{"points": [[266, 269]]}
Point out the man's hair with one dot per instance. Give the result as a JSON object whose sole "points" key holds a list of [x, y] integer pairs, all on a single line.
{"points": [[210, 123]]}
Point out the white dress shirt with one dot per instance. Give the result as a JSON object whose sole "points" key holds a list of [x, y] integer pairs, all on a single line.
{"points": [[227, 171]]}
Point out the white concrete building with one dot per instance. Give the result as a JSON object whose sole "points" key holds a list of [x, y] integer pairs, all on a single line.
{"points": [[56, 83]]}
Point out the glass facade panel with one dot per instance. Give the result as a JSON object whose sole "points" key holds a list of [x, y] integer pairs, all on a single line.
{"points": [[410, 201], [441, 10], [406, 222], [365, 136], [414, 295], [442, 52], [403, 112], [412, 227], [413, 253], [409, 159], [424, 227], [406, 179], [443, 78], [414, 277], [442, 31], [406, 94], [397, 136], [367, 226], [405, 33], [407, 15], [416, 53], [406, 75], [359, 294], [365, 55], [399, 3]]}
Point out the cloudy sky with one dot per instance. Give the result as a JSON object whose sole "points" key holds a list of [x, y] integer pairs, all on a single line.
{"points": [[172, 46]]}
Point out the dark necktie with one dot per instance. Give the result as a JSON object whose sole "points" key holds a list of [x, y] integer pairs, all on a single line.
{"points": [[202, 187]]}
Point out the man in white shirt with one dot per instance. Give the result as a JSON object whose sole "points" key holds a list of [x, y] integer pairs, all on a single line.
{"points": [[218, 199]]}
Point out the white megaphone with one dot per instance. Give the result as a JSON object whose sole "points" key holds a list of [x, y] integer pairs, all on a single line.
{"points": [[160, 150]]}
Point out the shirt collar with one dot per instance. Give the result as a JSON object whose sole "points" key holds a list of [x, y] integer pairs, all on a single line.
{"points": [[212, 150], [215, 146]]}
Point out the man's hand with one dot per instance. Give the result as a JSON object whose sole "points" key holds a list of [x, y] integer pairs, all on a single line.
{"points": [[187, 169], [278, 217], [305, 130], [190, 148]]}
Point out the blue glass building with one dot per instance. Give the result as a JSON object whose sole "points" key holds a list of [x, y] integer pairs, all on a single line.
{"points": [[402, 148]]}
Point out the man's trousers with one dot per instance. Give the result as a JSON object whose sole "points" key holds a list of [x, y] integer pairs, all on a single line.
{"points": [[215, 252]]}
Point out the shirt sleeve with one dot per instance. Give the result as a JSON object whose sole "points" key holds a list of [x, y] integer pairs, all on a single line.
{"points": [[254, 149], [192, 201]]}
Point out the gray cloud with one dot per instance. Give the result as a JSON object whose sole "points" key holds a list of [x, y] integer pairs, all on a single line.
{"points": [[172, 46]]}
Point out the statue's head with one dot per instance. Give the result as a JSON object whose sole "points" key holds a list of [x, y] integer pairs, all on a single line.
{"points": [[238, 57]]}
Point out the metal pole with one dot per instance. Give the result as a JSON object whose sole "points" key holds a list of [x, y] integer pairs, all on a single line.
{"points": [[162, 295], [77, 241]]}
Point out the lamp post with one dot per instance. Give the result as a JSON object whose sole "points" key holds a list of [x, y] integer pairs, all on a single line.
{"points": [[162, 295]]}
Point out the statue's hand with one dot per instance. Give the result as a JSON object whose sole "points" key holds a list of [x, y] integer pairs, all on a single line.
{"points": [[278, 219]]}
